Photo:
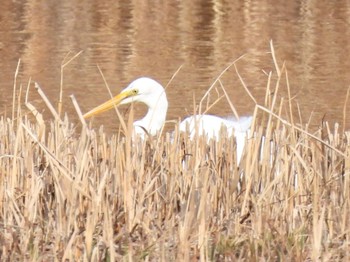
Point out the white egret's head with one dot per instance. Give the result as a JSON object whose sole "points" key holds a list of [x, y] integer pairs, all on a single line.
{"points": [[144, 89], [147, 91]]}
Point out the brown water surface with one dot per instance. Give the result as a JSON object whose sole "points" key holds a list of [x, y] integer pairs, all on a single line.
{"points": [[127, 40]]}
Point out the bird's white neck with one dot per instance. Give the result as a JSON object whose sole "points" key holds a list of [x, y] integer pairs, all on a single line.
{"points": [[155, 117]]}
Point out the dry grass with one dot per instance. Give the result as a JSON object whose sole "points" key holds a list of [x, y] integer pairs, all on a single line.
{"points": [[69, 195]]}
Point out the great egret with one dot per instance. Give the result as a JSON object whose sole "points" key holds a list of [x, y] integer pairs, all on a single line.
{"points": [[151, 93]]}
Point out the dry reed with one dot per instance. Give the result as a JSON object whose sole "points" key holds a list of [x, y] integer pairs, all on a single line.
{"points": [[69, 195]]}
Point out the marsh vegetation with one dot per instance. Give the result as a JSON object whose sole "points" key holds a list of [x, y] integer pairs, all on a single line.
{"points": [[70, 192]]}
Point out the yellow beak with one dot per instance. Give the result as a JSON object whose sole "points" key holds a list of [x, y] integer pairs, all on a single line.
{"points": [[109, 104]]}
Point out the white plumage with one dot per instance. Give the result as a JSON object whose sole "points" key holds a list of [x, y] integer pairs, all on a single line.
{"points": [[210, 126], [151, 93]]}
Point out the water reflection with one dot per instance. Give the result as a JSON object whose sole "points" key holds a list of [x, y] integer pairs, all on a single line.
{"points": [[125, 40]]}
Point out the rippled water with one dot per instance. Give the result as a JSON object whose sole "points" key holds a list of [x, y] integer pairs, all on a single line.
{"points": [[123, 41]]}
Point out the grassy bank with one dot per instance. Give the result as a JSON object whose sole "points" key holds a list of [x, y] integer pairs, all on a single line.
{"points": [[69, 192]]}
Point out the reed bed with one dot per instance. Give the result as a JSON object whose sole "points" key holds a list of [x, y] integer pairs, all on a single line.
{"points": [[72, 193]]}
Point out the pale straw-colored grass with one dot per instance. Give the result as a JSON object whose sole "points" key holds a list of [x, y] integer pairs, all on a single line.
{"points": [[71, 193]]}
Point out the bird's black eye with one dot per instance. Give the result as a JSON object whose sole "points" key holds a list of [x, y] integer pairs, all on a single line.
{"points": [[135, 91]]}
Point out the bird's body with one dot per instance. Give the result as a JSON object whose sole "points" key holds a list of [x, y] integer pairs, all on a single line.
{"points": [[151, 93], [211, 126]]}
